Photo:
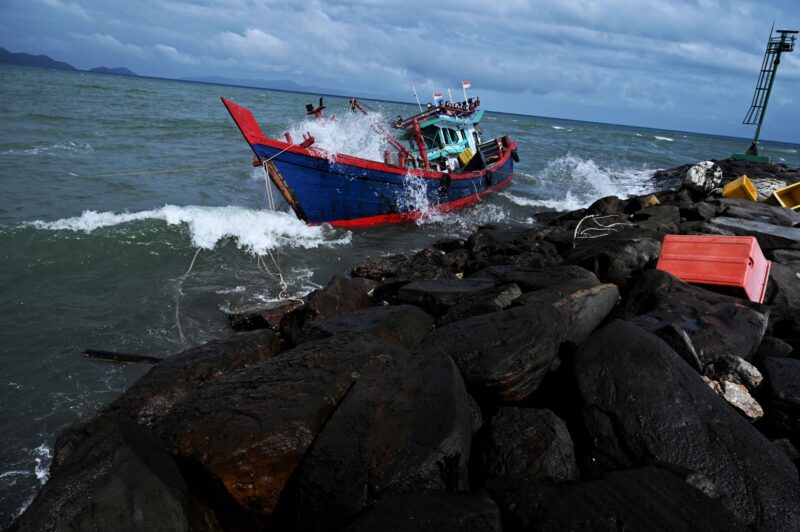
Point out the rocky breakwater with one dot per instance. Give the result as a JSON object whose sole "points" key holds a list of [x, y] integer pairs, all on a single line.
{"points": [[540, 376]]}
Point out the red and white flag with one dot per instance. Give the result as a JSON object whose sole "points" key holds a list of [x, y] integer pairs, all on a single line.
{"points": [[466, 84]]}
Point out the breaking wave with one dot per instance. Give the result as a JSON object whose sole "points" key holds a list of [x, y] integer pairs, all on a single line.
{"points": [[571, 182], [349, 133], [255, 231], [667, 139]]}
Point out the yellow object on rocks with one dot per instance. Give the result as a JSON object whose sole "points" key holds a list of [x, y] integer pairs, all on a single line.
{"points": [[741, 188], [788, 197]]}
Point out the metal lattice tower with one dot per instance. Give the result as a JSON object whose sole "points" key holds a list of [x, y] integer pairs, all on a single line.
{"points": [[779, 41]]}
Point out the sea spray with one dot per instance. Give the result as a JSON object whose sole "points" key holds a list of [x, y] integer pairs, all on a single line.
{"points": [[571, 182], [349, 133]]}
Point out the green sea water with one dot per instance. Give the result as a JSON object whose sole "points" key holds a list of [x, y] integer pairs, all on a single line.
{"points": [[113, 186]]}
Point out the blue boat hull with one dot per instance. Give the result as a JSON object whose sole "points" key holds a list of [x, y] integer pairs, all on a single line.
{"points": [[348, 191]]}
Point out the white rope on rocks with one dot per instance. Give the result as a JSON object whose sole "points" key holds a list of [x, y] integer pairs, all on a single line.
{"points": [[600, 229]]}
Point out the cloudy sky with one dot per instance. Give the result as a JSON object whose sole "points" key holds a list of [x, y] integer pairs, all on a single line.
{"points": [[674, 64]]}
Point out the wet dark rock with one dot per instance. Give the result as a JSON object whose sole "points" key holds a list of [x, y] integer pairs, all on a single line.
{"points": [[785, 303], [698, 211], [492, 300], [733, 169], [528, 443], [170, 382], [263, 317], [773, 347], [636, 499], [340, 296], [437, 296], [248, 430], [782, 397], [543, 278], [120, 479], [759, 212], [787, 257], [381, 268], [404, 325], [556, 292], [702, 228], [637, 203], [785, 445], [450, 244], [503, 355], [405, 425], [426, 511], [717, 325], [614, 258], [606, 206], [644, 405], [769, 236], [659, 219], [582, 307], [509, 244]]}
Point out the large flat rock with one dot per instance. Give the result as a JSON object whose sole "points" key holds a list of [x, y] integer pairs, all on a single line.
{"points": [[769, 236], [405, 425], [635, 499], [643, 405], [503, 355], [249, 430]]}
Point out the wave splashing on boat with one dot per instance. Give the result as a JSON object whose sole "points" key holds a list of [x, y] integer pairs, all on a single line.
{"points": [[255, 231], [580, 182], [349, 133]]}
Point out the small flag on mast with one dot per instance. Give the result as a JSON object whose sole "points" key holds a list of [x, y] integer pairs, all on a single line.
{"points": [[437, 98], [466, 84]]}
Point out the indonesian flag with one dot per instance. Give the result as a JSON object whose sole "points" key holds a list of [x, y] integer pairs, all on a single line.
{"points": [[437, 98], [466, 84]]}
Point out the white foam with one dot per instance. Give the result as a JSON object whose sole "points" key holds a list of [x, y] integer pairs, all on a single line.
{"points": [[53, 149], [349, 134], [584, 182], [256, 231], [667, 139], [43, 458], [558, 127]]}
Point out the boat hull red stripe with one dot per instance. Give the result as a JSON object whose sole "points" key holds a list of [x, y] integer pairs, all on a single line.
{"points": [[416, 215]]}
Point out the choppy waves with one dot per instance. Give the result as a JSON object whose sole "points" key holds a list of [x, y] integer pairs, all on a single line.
{"points": [[255, 231]]}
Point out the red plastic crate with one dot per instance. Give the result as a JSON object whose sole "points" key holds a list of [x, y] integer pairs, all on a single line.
{"points": [[734, 263]]}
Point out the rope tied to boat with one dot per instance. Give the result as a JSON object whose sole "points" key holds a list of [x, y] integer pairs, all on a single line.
{"points": [[277, 276], [178, 299]]}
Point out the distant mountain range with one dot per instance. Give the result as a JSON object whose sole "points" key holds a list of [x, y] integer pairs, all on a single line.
{"points": [[278, 84], [44, 61]]}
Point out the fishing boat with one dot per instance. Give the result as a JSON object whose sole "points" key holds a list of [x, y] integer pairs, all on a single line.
{"points": [[438, 162]]}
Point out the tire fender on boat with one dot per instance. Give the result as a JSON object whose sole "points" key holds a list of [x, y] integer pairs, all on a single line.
{"points": [[444, 183], [489, 178], [515, 156]]}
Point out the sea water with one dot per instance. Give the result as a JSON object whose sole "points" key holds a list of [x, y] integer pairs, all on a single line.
{"points": [[112, 187]]}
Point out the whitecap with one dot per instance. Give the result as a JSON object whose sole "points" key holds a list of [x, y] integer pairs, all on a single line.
{"points": [[43, 458], [667, 139], [255, 231], [558, 127]]}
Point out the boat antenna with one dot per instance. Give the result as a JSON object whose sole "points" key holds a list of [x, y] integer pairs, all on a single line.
{"points": [[413, 88], [450, 95]]}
